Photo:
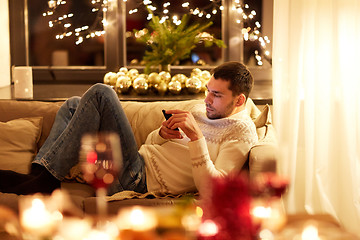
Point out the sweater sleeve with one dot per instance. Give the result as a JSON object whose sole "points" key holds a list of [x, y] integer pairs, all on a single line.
{"points": [[155, 138], [232, 156]]}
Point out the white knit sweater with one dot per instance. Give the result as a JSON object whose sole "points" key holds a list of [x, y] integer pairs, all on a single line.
{"points": [[178, 166]]}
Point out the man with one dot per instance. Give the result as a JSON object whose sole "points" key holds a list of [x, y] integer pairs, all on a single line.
{"points": [[213, 140]]}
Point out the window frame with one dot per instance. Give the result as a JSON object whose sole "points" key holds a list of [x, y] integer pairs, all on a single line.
{"points": [[114, 47]]}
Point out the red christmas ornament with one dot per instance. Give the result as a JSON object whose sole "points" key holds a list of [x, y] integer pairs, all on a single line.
{"points": [[228, 206]]}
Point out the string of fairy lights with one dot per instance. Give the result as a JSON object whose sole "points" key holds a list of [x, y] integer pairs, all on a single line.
{"points": [[96, 29], [250, 29], [207, 11]]}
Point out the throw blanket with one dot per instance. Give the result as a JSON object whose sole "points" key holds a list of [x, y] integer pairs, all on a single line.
{"points": [[131, 194]]}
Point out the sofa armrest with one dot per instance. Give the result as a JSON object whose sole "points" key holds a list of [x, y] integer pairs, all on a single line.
{"points": [[263, 158]]}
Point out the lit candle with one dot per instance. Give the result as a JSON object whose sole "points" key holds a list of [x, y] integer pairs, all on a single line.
{"points": [[37, 220], [270, 216], [261, 212], [74, 228], [137, 223], [310, 232], [137, 219]]}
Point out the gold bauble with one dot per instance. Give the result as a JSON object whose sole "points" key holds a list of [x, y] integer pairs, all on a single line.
{"points": [[161, 88], [134, 62], [203, 85], [201, 62], [140, 85], [165, 76], [180, 78], [174, 87], [144, 75], [154, 78], [124, 70], [123, 84], [195, 72], [205, 75], [119, 74], [110, 78], [106, 78], [205, 78], [133, 73], [193, 85]]}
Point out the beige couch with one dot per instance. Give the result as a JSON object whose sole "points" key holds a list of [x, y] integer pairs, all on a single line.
{"points": [[143, 117]]}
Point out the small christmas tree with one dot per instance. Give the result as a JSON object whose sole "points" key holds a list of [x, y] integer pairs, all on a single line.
{"points": [[169, 42]]}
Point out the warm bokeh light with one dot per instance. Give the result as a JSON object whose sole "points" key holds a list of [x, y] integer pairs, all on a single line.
{"points": [[208, 228], [137, 219], [310, 232]]}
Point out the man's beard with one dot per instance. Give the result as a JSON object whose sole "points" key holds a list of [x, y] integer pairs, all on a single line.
{"points": [[216, 115]]}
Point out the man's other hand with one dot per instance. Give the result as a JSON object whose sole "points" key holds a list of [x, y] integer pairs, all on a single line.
{"points": [[183, 120]]}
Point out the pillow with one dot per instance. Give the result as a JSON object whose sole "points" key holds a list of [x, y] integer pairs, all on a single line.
{"points": [[264, 118], [262, 122], [18, 139]]}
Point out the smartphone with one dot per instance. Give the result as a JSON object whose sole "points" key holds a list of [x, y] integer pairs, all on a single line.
{"points": [[167, 116]]}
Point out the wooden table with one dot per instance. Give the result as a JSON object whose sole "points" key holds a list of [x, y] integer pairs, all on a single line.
{"points": [[328, 227]]}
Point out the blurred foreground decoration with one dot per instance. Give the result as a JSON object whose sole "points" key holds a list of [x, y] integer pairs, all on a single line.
{"points": [[236, 207]]}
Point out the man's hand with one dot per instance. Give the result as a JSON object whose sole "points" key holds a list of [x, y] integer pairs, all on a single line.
{"points": [[183, 120]]}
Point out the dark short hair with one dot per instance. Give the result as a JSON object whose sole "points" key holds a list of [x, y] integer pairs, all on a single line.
{"points": [[241, 80]]}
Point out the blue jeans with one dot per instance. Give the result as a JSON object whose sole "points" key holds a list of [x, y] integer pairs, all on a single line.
{"points": [[99, 109]]}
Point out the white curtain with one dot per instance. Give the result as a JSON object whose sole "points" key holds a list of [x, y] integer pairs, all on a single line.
{"points": [[316, 98]]}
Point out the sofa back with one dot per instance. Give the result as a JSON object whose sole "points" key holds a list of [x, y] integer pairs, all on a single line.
{"points": [[144, 117]]}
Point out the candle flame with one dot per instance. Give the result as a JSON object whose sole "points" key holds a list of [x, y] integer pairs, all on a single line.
{"points": [[310, 233]]}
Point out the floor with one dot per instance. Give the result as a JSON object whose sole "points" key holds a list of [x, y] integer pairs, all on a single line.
{"points": [[261, 94]]}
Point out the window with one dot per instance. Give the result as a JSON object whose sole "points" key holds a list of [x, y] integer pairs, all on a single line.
{"points": [[69, 34], [56, 56], [200, 11]]}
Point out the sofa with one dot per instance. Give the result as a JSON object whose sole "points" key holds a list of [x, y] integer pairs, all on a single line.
{"points": [[25, 125]]}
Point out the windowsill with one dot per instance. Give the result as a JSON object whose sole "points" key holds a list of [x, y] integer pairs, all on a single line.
{"points": [[86, 75], [261, 94]]}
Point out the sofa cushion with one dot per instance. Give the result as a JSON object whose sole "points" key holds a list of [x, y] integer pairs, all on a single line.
{"points": [[252, 109], [264, 118], [263, 123], [13, 109], [18, 139]]}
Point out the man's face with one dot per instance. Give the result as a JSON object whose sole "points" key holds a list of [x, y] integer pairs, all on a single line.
{"points": [[219, 101]]}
